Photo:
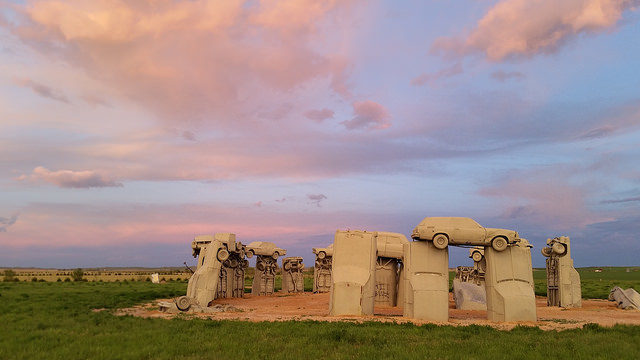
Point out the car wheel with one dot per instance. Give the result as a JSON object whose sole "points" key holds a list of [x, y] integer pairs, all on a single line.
{"points": [[287, 266], [322, 255], [275, 255], [546, 251], [559, 248], [183, 303], [260, 266], [250, 253], [440, 241], [223, 255], [499, 244], [476, 256], [233, 263]]}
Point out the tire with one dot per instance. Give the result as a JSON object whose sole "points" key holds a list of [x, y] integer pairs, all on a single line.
{"points": [[322, 255], [245, 263], [260, 266], [499, 243], [546, 251], [476, 256], [441, 241], [275, 255], [233, 263], [250, 253], [223, 254], [559, 248], [287, 266], [183, 303]]}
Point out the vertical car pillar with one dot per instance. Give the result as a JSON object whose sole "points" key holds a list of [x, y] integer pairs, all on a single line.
{"points": [[390, 248], [322, 274], [386, 281], [353, 273], [563, 281], [292, 275], [509, 283], [264, 276], [204, 282], [426, 278]]}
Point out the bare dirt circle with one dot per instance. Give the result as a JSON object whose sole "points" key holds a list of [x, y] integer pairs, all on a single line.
{"points": [[309, 306]]}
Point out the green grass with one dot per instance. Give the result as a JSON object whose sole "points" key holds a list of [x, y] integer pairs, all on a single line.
{"points": [[248, 279], [595, 285], [56, 321]]}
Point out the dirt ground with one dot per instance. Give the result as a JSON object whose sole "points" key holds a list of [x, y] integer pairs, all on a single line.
{"points": [[308, 306]]}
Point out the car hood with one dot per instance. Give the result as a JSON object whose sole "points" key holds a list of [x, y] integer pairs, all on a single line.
{"points": [[506, 232]]}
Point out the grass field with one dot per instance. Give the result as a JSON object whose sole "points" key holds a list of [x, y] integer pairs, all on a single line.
{"points": [[56, 321], [595, 285]]}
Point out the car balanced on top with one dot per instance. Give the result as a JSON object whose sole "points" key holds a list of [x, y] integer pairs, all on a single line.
{"points": [[444, 231], [264, 248]]}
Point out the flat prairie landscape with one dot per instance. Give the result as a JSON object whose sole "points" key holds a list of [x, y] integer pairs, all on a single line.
{"points": [[120, 320]]}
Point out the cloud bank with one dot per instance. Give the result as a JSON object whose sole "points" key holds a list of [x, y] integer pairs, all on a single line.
{"points": [[368, 115], [71, 179], [524, 28], [194, 62]]}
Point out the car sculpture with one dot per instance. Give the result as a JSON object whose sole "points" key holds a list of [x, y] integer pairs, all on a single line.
{"points": [[322, 253], [265, 249], [462, 231], [556, 246], [229, 245], [476, 253]]}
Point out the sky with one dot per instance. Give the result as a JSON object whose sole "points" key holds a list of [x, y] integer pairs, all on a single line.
{"points": [[129, 127]]}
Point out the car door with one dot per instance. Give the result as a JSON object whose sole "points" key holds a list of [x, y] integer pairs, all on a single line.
{"points": [[474, 232], [470, 232]]}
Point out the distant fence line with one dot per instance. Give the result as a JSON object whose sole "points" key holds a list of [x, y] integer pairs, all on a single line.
{"points": [[101, 275]]}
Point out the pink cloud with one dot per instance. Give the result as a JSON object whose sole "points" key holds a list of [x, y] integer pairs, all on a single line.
{"points": [[544, 197], [190, 61], [524, 28], [65, 225], [368, 115], [70, 179]]}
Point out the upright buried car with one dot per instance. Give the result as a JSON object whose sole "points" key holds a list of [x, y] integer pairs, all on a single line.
{"points": [[462, 231]]}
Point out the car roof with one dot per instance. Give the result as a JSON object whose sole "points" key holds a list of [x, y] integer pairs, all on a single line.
{"points": [[448, 219]]}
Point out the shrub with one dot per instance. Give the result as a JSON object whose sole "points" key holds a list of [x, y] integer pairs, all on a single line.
{"points": [[9, 275], [59, 280], [34, 279], [67, 280], [77, 274]]}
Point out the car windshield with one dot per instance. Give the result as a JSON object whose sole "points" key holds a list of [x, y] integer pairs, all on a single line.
{"points": [[473, 222]]}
